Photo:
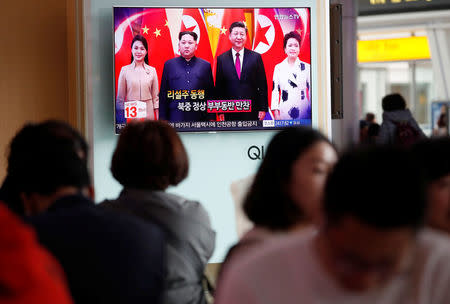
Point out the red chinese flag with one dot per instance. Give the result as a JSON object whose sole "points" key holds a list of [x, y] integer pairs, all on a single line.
{"points": [[268, 42], [155, 28], [122, 39], [230, 15], [193, 20], [151, 24]]}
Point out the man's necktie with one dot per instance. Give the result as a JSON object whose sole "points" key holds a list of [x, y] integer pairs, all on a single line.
{"points": [[238, 66]]}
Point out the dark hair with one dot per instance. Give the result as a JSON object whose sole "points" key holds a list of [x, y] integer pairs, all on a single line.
{"points": [[370, 117], [144, 42], [433, 156], [10, 195], [290, 35], [238, 24], [380, 186], [442, 120], [149, 155], [193, 34], [46, 156], [393, 102], [272, 206]]}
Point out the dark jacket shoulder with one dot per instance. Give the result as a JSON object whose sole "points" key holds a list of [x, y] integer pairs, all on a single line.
{"points": [[96, 247]]}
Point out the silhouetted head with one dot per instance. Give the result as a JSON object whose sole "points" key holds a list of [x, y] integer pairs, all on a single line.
{"points": [[44, 158], [149, 155], [370, 117], [393, 102]]}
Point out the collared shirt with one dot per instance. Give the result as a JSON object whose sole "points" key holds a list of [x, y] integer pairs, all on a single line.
{"points": [[241, 56]]}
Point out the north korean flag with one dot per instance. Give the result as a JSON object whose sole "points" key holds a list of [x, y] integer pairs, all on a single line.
{"points": [[193, 20]]}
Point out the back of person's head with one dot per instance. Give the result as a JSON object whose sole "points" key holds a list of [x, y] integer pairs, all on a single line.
{"points": [[370, 117], [149, 155], [379, 186], [44, 157], [393, 102], [433, 156], [269, 202]]}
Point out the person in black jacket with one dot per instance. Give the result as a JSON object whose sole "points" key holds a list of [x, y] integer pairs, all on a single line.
{"points": [[149, 158], [107, 257], [189, 74], [240, 75]]}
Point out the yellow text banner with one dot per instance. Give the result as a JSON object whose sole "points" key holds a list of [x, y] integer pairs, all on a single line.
{"points": [[399, 49]]}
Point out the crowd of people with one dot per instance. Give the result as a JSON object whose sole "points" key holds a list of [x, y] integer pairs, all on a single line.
{"points": [[370, 225]]}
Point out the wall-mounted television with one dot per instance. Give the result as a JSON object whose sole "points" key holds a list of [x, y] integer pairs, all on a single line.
{"points": [[440, 112], [213, 69]]}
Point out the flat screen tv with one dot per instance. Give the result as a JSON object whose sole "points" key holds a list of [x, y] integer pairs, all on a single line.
{"points": [[213, 69], [440, 112]]}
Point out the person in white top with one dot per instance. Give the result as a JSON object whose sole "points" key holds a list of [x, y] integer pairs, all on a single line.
{"points": [[370, 247], [291, 83]]}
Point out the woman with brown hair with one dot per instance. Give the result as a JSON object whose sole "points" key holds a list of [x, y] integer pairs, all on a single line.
{"points": [[150, 157]]}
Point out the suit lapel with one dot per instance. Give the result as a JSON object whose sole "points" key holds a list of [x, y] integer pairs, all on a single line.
{"points": [[246, 59], [231, 64], [247, 55]]}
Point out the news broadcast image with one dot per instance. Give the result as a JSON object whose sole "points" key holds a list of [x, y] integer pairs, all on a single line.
{"points": [[256, 77]]}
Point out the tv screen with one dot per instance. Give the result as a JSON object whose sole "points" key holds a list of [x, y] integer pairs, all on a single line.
{"points": [[213, 69], [440, 112]]}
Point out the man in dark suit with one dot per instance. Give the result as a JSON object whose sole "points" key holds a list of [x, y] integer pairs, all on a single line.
{"points": [[189, 75], [108, 257], [240, 75]]}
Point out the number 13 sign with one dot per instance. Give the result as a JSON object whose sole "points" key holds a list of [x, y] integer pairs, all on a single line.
{"points": [[135, 109]]}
